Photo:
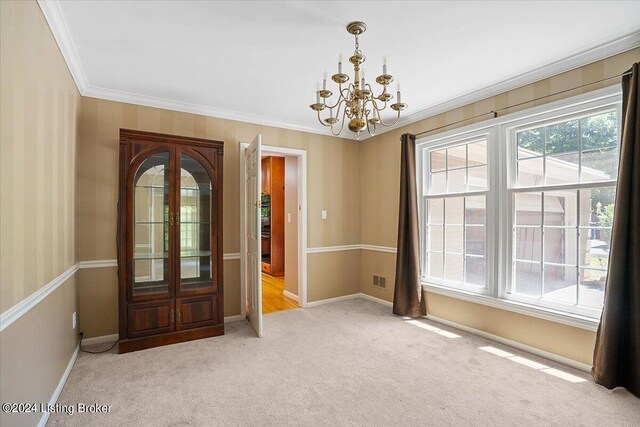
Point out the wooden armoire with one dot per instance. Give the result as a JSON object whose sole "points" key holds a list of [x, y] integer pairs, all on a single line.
{"points": [[169, 239]]}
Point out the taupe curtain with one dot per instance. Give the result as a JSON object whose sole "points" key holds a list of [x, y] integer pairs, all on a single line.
{"points": [[407, 297], [616, 359]]}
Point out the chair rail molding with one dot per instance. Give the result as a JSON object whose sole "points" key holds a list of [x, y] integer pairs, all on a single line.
{"points": [[15, 312]]}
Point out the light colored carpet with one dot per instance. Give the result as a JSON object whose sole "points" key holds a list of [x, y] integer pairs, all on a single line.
{"points": [[348, 363]]}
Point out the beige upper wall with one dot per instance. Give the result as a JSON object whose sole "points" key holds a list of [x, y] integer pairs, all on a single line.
{"points": [[39, 107], [333, 173]]}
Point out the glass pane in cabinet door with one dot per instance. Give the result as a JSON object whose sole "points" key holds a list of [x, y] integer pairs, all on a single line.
{"points": [[195, 226], [151, 227]]}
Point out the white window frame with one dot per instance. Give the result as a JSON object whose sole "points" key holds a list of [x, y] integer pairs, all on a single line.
{"points": [[500, 187], [423, 159]]}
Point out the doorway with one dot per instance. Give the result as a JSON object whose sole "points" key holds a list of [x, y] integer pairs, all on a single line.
{"points": [[279, 232], [283, 265]]}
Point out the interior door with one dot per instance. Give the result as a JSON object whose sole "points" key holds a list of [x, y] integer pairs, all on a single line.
{"points": [[253, 185]]}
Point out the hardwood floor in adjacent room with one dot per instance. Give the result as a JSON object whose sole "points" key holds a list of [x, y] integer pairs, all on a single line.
{"points": [[273, 298]]}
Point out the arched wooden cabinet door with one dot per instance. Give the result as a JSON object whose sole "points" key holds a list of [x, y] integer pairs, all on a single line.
{"points": [[150, 225], [169, 239], [196, 238]]}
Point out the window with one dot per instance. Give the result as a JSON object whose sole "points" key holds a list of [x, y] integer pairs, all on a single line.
{"points": [[455, 202], [562, 193], [520, 208]]}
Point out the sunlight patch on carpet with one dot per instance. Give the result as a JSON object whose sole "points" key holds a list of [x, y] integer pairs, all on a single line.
{"points": [[433, 329], [532, 364]]}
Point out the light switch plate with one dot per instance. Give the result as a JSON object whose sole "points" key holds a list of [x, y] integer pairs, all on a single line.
{"points": [[74, 320], [288, 217], [324, 214]]}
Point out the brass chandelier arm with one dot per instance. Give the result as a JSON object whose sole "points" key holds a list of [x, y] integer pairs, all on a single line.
{"points": [[340, 97], [384, 90], [390, 124], [371, 132], [339, 105], [375, 107], [321, 121], [344, 113]]}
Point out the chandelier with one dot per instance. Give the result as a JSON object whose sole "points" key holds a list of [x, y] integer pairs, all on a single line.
{"points": [[356, 101]]}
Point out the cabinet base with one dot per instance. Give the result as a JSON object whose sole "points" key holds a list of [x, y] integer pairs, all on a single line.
{"points": [[135, 344]]}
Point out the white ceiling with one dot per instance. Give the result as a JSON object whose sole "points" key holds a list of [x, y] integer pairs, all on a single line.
{"points": [[260, 61]]}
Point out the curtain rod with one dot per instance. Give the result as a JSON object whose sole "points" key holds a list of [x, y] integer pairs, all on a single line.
{"points": [[495, 112]]}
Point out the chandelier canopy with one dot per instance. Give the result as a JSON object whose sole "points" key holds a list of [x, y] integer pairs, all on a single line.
{"points": [[356, 101]]}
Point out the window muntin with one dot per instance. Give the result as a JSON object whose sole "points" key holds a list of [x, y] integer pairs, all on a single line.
{"points": [[567, 157], [560, 233], [571, 151], [455, 221]]}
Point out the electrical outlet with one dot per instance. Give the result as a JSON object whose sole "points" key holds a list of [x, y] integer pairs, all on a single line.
{"points": [[324, 214], [74, 320], [288, 217]]}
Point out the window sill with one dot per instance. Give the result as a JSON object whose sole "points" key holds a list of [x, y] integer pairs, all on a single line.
{"points": [[564, 318]]}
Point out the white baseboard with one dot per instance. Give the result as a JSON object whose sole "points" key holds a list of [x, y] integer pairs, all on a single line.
{"points": [[290, 295], [533, 350], [100, 340], [332, 300], [348, 297], [235, 318], [58, 390], [378, 300]]}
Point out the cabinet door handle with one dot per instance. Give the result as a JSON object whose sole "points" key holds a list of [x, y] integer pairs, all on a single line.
{"points": [[177, 220], [171, 317], [171, 218], [178, 315]]}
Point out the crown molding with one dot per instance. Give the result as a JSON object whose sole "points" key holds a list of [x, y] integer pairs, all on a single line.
{"points": [[204, 110], [585, 57], [58, 25], [55, 18]]}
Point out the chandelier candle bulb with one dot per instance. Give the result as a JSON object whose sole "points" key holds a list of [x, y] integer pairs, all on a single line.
{"points": [[340, 64], [324, 81], [318, 97], [384, 64]]}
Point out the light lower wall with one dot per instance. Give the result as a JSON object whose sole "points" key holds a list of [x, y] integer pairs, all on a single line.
{"points": [[35, 351], [39, 106], [567, 341], [380, 166], [333, 184], [333, 274]]}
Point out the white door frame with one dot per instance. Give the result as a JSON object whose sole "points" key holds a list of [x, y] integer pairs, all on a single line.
{"points": [[302, 222]]}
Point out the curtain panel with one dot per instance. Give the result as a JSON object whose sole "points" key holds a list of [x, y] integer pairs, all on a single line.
{"points": [[407, 298], [616, 359]]}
